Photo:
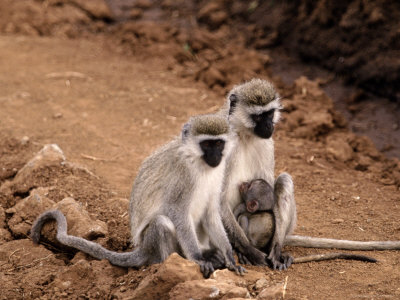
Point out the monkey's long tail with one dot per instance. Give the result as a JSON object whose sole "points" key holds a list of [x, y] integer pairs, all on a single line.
{"points": [[330, 256], [313, 242], [129, 259]]}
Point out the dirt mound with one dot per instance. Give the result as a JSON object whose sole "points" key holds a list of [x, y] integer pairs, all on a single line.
{"points": [[356, 39]]}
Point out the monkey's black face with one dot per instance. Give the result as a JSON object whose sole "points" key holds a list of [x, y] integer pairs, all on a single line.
{"points": [[212, 150], [264, 124]]}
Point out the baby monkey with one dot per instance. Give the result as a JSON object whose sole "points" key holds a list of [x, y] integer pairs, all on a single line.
{"points": [[255, 212], [255, 216]]}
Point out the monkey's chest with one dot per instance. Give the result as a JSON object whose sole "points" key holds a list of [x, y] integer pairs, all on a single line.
{"points": [[206, 192], [249, 162]]}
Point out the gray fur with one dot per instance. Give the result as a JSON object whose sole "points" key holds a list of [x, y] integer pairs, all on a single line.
{"points": [[254, 158], [174, 206]]}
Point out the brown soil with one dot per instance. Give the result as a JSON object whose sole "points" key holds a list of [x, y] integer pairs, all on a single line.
{"points": [[109, 95]]}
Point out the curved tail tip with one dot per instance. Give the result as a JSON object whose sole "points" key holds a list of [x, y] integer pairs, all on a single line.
{"points": [[35, 237]]}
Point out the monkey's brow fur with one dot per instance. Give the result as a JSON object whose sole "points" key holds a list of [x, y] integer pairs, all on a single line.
{"points": [[209, 124], [256, 92]]}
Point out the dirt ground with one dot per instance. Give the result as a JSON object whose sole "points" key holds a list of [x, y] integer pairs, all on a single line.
{"points": [[109, 94]]}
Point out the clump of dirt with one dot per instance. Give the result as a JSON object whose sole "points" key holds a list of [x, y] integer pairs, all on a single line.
{"points": [[66, 18], [329, 34]]}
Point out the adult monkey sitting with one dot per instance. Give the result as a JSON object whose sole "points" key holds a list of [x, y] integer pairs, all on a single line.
{"points": [[253, 110]]}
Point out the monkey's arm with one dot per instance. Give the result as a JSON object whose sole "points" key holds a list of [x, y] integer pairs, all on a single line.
{"points": [[130, 259], [187, 239], [240, 209], [285, 221], [243, 221], [238, 238]]}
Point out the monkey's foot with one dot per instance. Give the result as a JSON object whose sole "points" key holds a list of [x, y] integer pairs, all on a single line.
{"points": [[206, 268], [243, 259], [281, 263], [215, 257], [253, 257]]}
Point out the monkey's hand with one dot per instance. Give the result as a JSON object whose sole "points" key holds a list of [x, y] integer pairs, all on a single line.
{"points": [[231, 264]]}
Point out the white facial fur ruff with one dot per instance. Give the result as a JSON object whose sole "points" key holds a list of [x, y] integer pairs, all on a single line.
{"points": [[191, 147], [241, 117]]}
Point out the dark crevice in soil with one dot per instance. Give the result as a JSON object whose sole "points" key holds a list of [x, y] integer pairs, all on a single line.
{"points": [[366, 113]]}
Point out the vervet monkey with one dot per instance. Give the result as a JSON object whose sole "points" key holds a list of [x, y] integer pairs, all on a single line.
{"points": [[255, 216], [174, 203], [253, 110]]}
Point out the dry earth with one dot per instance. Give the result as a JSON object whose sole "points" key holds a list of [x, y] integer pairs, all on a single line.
{"points": [[108, 108]]}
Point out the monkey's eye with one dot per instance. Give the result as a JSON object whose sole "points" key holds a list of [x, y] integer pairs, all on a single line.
{"points": [[206, 143], [256, 118], [218, 143]]}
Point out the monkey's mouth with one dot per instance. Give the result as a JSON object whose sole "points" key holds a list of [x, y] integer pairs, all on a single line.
{"points": [[252, 206]]}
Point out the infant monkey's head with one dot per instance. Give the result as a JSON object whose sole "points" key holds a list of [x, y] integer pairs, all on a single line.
{"points": [[258, 195]]}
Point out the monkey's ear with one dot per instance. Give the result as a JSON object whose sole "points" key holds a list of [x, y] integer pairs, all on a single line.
{"points": [[233, 101], [185, 131]]}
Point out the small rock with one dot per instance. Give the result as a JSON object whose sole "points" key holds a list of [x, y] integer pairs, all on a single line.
{"points": [[174, 270], [340, 149], [261, 283], [337, 221], [272, 292], [24, 140], [26, 211], [49, 155], [207, 289], [79, 221], [57, 115], [230, 277]]}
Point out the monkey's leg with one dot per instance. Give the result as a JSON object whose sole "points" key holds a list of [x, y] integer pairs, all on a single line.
{"points": [[285, 221], [212, 224], [159, 240]]}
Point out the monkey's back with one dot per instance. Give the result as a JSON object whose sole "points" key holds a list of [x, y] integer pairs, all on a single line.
{"points": [[154, 187]]}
